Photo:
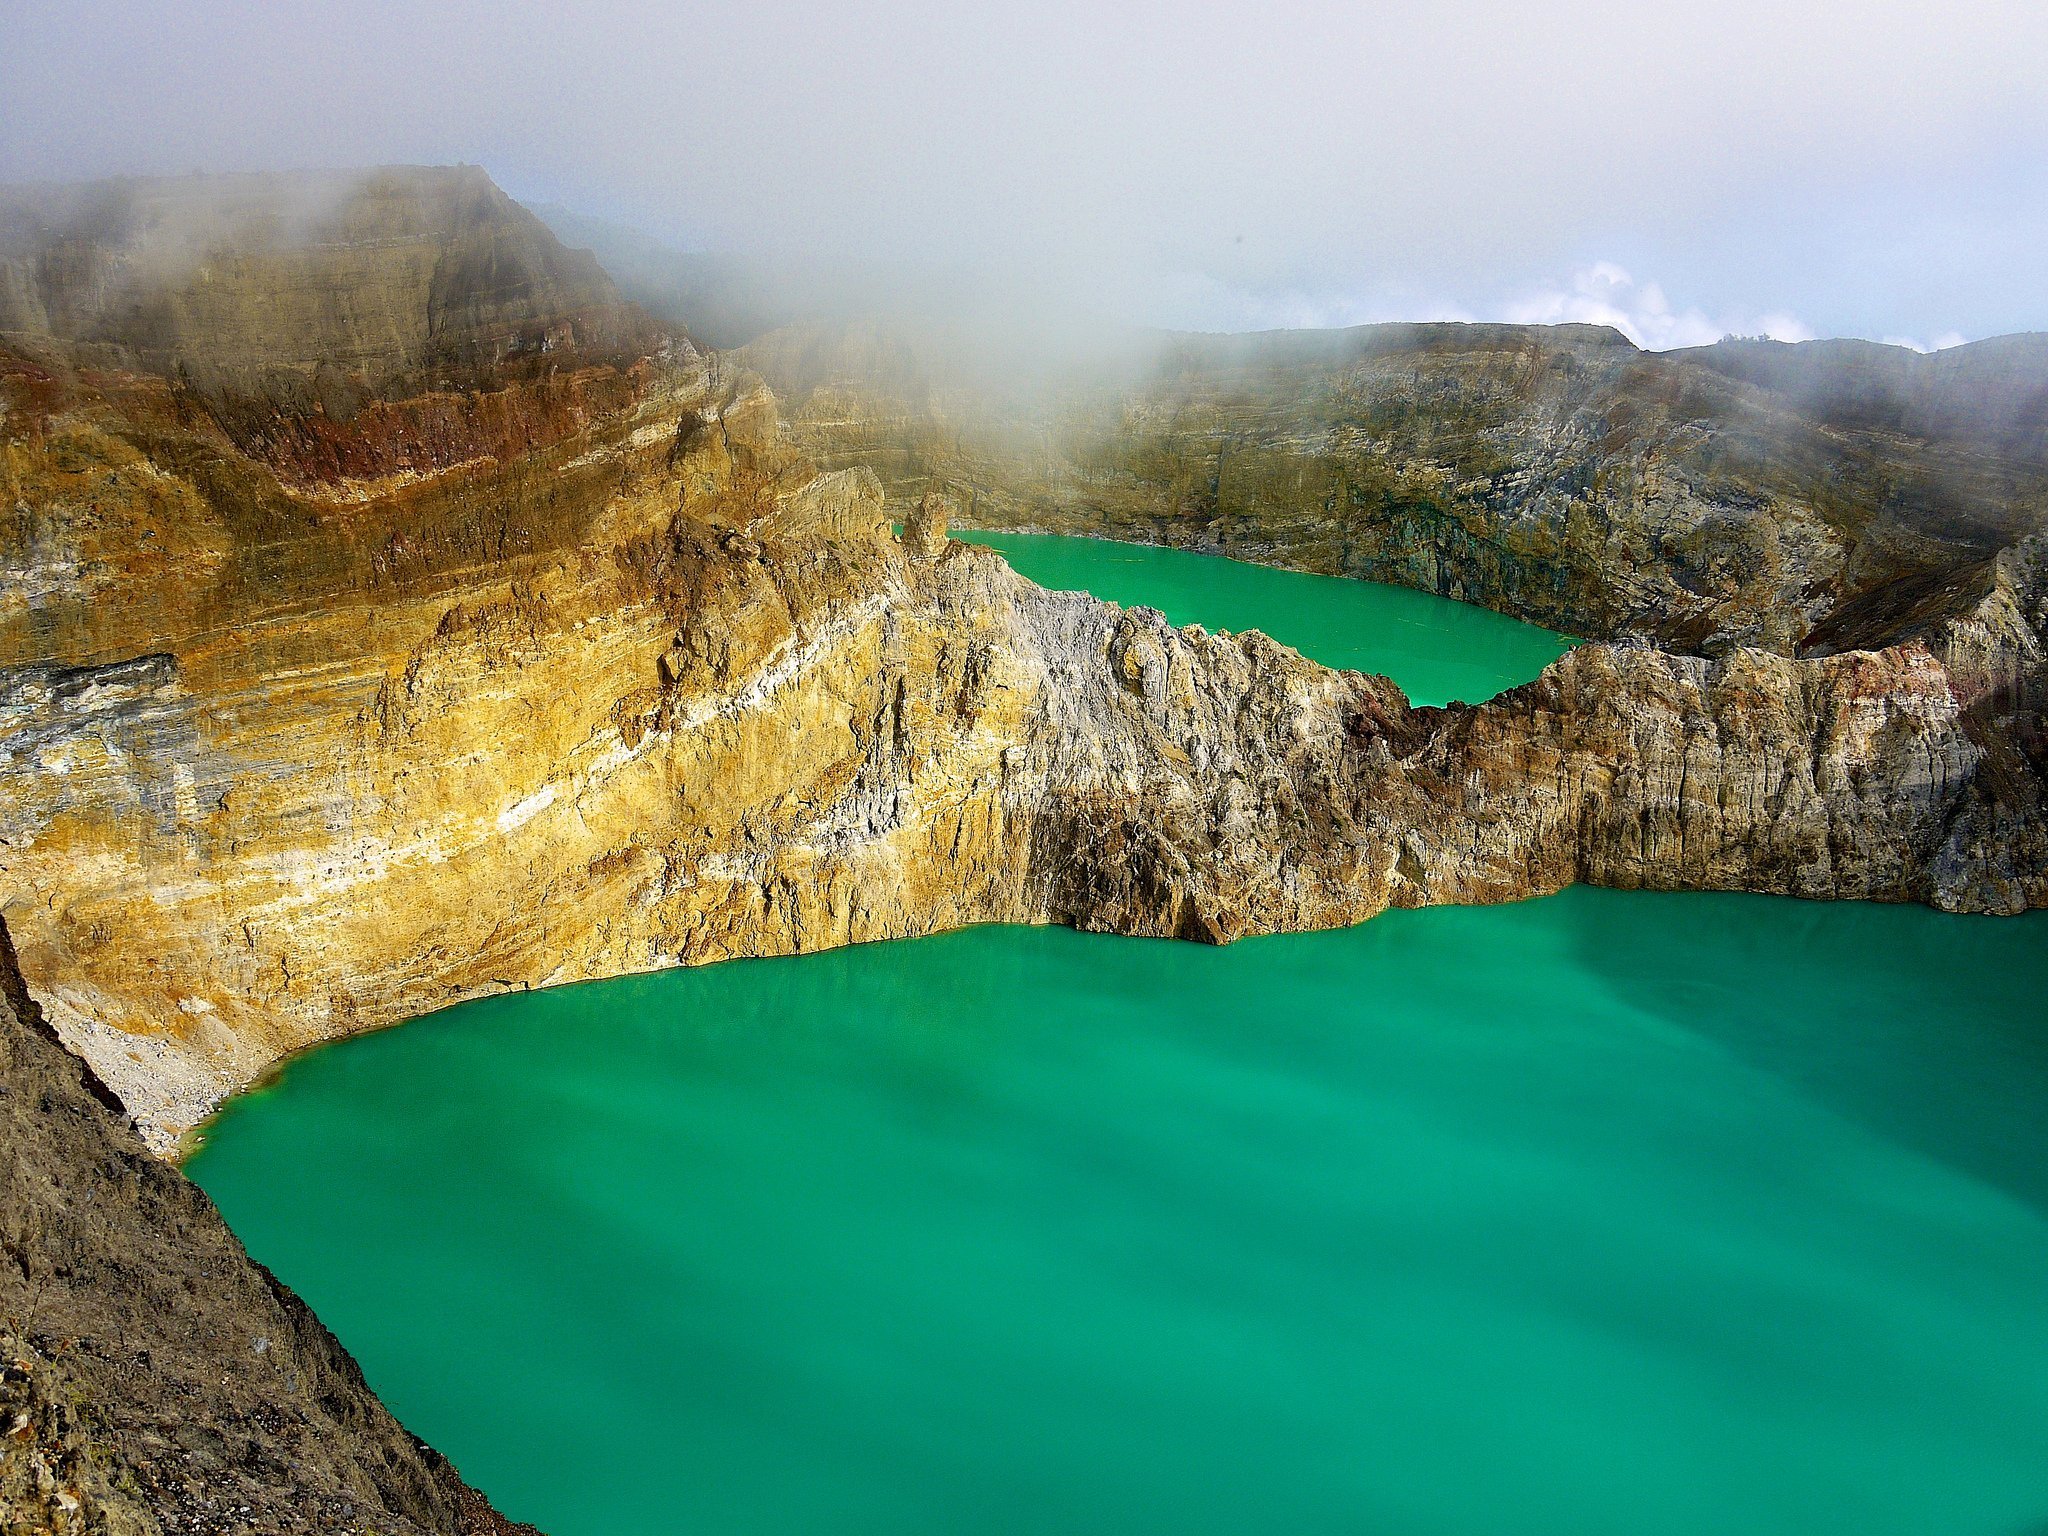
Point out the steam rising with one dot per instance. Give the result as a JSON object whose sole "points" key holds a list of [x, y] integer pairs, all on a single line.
{"points": [[1877, 168]]}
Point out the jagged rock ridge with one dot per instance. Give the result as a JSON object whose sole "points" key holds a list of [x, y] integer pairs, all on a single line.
{"points": [[646, 687], [738, 716]]}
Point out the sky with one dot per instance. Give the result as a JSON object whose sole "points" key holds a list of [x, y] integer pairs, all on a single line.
{"points": [[1784, 167]]}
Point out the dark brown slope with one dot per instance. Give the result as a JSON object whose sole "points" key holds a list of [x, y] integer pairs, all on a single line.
{"points": [[152, 1376]]}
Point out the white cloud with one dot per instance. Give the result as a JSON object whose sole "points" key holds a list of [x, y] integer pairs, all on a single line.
{"points": [[1606, 293], [1880, 166], [1940, 343], [1780, 326], [1196, 301]]}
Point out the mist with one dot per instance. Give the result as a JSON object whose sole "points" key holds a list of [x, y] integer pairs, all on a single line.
{"points": [[1875, 169]]}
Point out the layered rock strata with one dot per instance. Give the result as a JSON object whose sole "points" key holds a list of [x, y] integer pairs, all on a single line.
{"points": [[347, 329], [389, 615]]}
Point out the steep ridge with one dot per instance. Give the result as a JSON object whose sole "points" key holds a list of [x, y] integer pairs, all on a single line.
{"points": [[1800, 500], [386, 274], [337, 326], [152, 1377], [648, 687]]}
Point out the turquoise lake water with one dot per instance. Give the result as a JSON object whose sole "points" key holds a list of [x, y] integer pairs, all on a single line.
{"points": [[1603, 1215], [1437, 650]]}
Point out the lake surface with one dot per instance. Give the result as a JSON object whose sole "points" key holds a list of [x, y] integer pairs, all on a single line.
{"points": [[1437, 650], [1602, 1215]]}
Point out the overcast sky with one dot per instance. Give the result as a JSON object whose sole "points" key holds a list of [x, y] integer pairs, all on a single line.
{"points": [[1795, 166]]}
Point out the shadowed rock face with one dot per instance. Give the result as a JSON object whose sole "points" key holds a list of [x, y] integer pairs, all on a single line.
{"points": [[1991, 395], [152, 1377], [388, 275], [1795, 499]]}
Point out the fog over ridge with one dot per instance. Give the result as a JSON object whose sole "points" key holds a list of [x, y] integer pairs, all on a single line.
{"points": [[1875, 168]]}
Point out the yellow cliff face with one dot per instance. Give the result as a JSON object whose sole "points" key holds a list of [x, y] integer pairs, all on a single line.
{"points": [[663, 744]]}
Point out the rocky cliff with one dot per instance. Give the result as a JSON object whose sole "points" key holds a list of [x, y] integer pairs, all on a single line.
{"points": [[152, 1378], [340, 327], [1803, 500]]}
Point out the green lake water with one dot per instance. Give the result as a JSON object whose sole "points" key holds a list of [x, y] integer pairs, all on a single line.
{"points": [[1435, 649], [1602, 1215]]}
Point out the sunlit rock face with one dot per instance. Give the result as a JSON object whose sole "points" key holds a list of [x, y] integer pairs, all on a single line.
{"points": [[1798, 499], [289, 751]]}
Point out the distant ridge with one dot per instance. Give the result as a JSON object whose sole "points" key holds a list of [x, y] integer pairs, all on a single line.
{"points": [[392, 276], [1992, 393]]}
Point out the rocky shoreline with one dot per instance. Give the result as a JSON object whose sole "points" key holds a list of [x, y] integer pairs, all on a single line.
{"points": [[1805, 499], [763, 723]]}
